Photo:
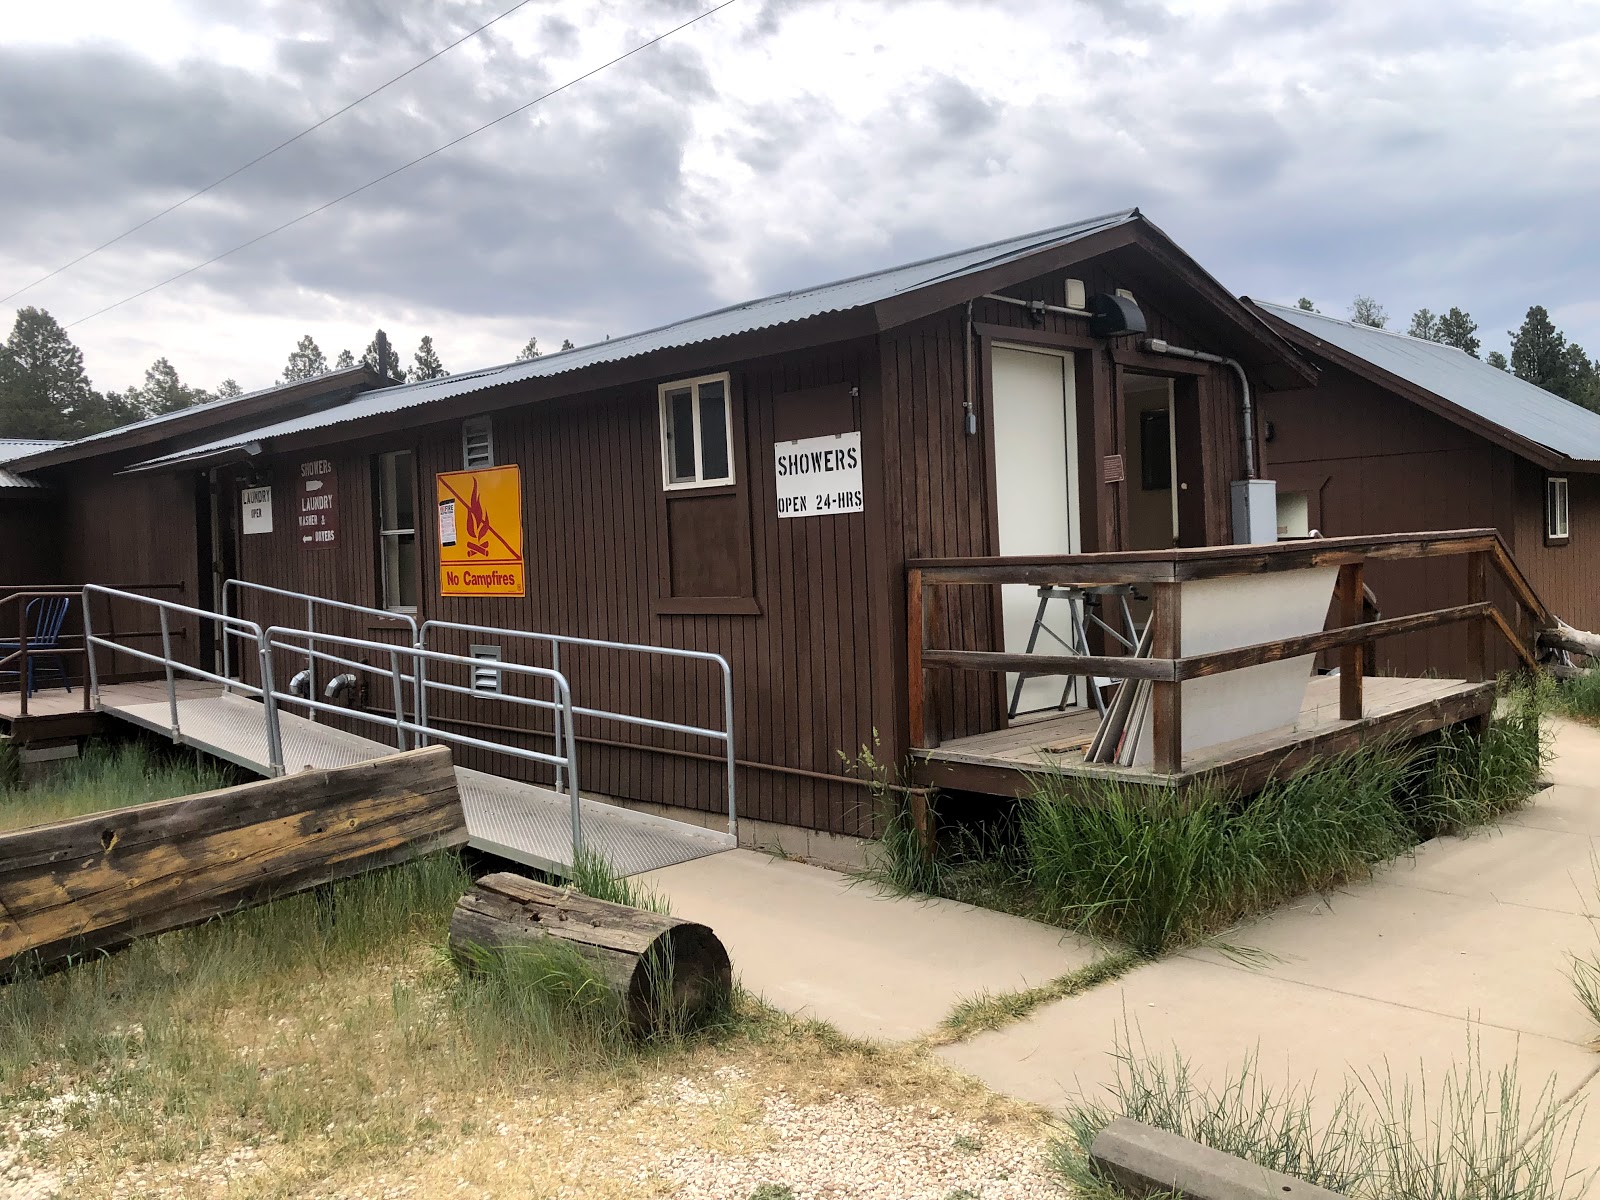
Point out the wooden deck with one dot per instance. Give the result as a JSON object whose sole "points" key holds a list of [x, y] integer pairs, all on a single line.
{"points": [[56, 713], [1005, 762]]}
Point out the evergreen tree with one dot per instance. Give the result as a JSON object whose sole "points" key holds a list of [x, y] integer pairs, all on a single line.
{"points": [[1304, 303], [1583, 378], [426, 360], [390, 367], [1458, 329], [1364, 310], [531, 350], [566, 344], [345, 361], [305, 361], [229, 389], [1424, 325], [1498, 361], [44, 392], [1539, 352], [164, 392]]}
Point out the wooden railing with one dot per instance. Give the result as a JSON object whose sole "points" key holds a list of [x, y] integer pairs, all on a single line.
{"points": [[1163, 573]]}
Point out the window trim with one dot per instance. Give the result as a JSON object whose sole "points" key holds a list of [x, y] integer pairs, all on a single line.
{"points": [[387, 535], [694, 384], [1551, 535], [471, 424]]}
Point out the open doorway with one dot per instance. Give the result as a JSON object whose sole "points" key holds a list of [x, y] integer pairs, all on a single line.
{"points": [[218, 542], [1150, 436]]}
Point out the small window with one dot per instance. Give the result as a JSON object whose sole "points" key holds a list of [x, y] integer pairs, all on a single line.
{"points": [[397, 531], [1556, 525], [486, 678], [695, 442], [477, 443]]}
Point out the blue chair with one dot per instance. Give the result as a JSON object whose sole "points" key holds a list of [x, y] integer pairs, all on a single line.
{"points": [[47, 614]]}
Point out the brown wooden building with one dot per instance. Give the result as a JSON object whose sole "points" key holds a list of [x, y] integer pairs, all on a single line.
{"points": [[999, 400], [1403, 434]]}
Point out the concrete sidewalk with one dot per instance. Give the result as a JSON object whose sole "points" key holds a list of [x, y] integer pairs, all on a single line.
{"points": [[1467, 942], [819, 944]]}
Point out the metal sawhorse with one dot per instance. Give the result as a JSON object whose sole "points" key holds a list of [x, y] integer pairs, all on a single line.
{"points": [[1081, 603]]}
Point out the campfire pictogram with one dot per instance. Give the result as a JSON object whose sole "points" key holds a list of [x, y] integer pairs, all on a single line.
{"points": [[477, 526]]}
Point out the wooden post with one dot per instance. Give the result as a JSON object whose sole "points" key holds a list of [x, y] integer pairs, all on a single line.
{"points": [[1166, 698], [1352, 659], [1478, 631], [915, 643]]}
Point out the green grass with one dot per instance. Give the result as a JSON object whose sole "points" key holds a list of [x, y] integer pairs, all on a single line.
{"points": [[105, 776], [1580, 697], [1154, 870], [993, 1010], [1470, 1135]]}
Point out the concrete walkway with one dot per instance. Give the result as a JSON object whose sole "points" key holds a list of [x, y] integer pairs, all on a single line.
{"points": [[1467, 942], [819, 944]]}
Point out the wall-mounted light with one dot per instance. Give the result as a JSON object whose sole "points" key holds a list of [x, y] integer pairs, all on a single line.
{"points": [[1113, 315]]}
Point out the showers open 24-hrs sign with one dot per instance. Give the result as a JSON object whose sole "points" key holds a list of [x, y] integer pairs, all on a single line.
{"points": [[820, 476], [480, 533]]}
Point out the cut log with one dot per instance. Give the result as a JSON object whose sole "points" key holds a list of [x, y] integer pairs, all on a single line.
{"points": [[667, 971], [1575, 641], [94, 883]]}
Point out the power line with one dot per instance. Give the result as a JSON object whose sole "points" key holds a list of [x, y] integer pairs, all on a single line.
{"points": [[266, 154], [521, 108]]}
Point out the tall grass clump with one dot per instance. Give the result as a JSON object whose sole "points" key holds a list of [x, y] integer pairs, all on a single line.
{"points": [[1470, 779], [1580, 697], [1468, 1136], [1156, 871], [107, 776], [901, 861]]}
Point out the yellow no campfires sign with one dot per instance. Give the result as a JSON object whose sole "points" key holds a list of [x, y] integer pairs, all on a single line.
{"points": [[480, 533]]}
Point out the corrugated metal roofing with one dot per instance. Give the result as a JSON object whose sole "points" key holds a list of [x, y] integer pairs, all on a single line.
{"points": [[766, 313], [1453, 375], [11, 448]]}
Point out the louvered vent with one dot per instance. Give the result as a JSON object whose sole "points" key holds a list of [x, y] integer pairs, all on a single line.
{"points": [[486, 678], [477, 443]]}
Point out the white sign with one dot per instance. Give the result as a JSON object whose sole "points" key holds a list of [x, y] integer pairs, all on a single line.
{"points": [[257, 505], [820, 476]]}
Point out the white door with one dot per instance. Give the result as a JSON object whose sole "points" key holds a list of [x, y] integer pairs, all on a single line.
{"points": [[1036, 492]]}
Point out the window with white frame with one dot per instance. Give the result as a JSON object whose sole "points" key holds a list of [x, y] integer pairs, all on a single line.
{"points": [[477, 443], [696, 443], [397, 531], [1557, 527]]}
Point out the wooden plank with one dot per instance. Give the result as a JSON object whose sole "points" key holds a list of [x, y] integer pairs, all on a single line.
{"points": [[1352, 656], [1166, 698], [1052, 664], [916, 675], [97, 882], [1200, 665]]}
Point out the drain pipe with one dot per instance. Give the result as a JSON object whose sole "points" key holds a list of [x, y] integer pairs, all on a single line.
{"points": [[1247, 412], [1039, 307]]}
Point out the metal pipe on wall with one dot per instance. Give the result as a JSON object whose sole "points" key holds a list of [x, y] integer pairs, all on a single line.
{"points": [[1246, 406]]}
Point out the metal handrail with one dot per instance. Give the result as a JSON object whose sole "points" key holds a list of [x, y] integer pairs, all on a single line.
{"points": [[556, 641], [565, 763], [171, 666], [24, 648], [310, 630]]}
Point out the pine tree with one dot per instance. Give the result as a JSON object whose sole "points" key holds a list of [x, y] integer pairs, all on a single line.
{"points": [[229, 389], [305, 361], [1583, 378], [426, 364], [1539, 352], [345, 361], [566, 344], [531, 350], [390, 368], [1364, 310], [44, 392], [1424, 325], [1305, 305], [164, 392], [1497, 361], [1458, 329]]}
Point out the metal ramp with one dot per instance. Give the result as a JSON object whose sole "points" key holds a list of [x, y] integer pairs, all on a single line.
{"points": [[249, 725]]}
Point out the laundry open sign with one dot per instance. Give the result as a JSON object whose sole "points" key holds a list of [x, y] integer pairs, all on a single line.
{"points": [[820, 476], [256, 514]]}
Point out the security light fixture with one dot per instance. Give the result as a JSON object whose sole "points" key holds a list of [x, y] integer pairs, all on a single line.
{"points": [[1112, 315]]}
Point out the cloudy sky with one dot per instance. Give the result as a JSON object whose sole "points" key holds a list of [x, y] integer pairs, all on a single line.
{"points": [[1425, 153]]}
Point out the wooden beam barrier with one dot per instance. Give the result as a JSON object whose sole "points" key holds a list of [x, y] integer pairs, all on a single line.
{"points": [[917, 676], [91, 884], [1478, 631], [1573, 641], [1166, 697], [1052, 664]]}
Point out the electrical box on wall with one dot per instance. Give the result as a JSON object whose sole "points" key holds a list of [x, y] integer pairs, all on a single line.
{"points": [[1077, 295], [1255, 511]]}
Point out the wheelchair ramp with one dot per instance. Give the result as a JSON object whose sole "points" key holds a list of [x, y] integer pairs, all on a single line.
{"points": [[519, 821]]}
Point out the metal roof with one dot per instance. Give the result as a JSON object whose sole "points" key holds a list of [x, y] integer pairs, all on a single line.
{"points": [[780, 309], [11, 448], [1496, 396]]}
